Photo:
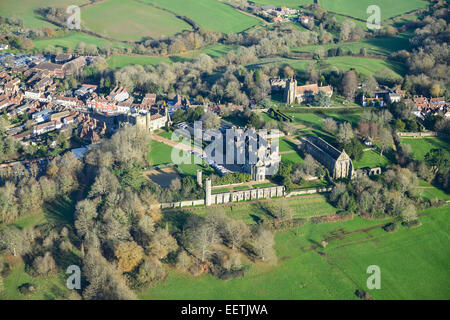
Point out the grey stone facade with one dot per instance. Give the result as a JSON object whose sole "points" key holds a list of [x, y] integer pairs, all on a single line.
{"points": [[338, 163]]}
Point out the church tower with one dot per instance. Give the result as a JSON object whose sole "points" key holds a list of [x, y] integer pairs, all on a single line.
{"points": [[290, 91], [147, 120]]}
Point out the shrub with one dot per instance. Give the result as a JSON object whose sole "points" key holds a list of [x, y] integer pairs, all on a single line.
{"points": [[44, 265], [27, 289], [184, 261], [412, 224], [363, 295], [390, 227], [150, 271]]}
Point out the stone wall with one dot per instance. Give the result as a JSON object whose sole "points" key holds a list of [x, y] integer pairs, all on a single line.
{"points": [[309, 191], [418, 134], [242, 195], [247, 195]]}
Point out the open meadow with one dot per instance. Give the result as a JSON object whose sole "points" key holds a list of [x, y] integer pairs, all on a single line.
{"points": [[420, 147], [383, 46], [357, 9], [72, 39], [26, 9], [414, 264], [295, 4], [211, 15], [129, 20]]}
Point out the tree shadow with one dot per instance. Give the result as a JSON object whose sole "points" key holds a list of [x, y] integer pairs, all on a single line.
{"points": [[175, 218], [61, 211]]}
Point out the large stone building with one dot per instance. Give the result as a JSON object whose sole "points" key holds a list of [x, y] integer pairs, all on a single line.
{"points": [[148, 120], [261, 156], [299, 94], [338, 163]]}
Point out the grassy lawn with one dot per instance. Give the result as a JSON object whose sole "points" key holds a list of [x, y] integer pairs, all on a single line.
{"points": [[116, 62], [212, 15], [301, 273], [430, 192], [379, 46], [26, 10], [366, 66], [286, 145], [263, 185], [288, 3], [130, 20], [162, 154], [291, 158], [371, 159], [238, 188], [48, 288], [61, 211], [219, 50], [420, 147], [72, 39], [358, 9], [251, 213], [221, 190]]}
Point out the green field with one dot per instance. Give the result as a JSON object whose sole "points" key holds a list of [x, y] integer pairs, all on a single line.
{"points": [[72, 39], [366, 66], [26, 10], [116, 62], [378, 46], [371, 159], [429, 192], [414, 264], [303, 207], [420, 147], [293, 157], [51, 287], [129, 20], [288, 3], [212, 15], [161, 154], [358, 9]]}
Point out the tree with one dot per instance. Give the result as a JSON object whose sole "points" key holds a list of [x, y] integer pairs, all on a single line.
{"points": [[409, 213], [438, 158], [371, 86], [201, 235], [385, 140], [345, 133], [283, 211], [288, 72], [105, 281], [85, 213], [263, 242], [27, 44], [436, 90], [105, 183], [16, 241], [8, 203], [175, 184], [349, 85], [151, 270], [211, 121], [44, 265], [322, 99], [162, 243], [235, 232], [184, 261], [129, 255], [346, 29], [330, 125]]}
